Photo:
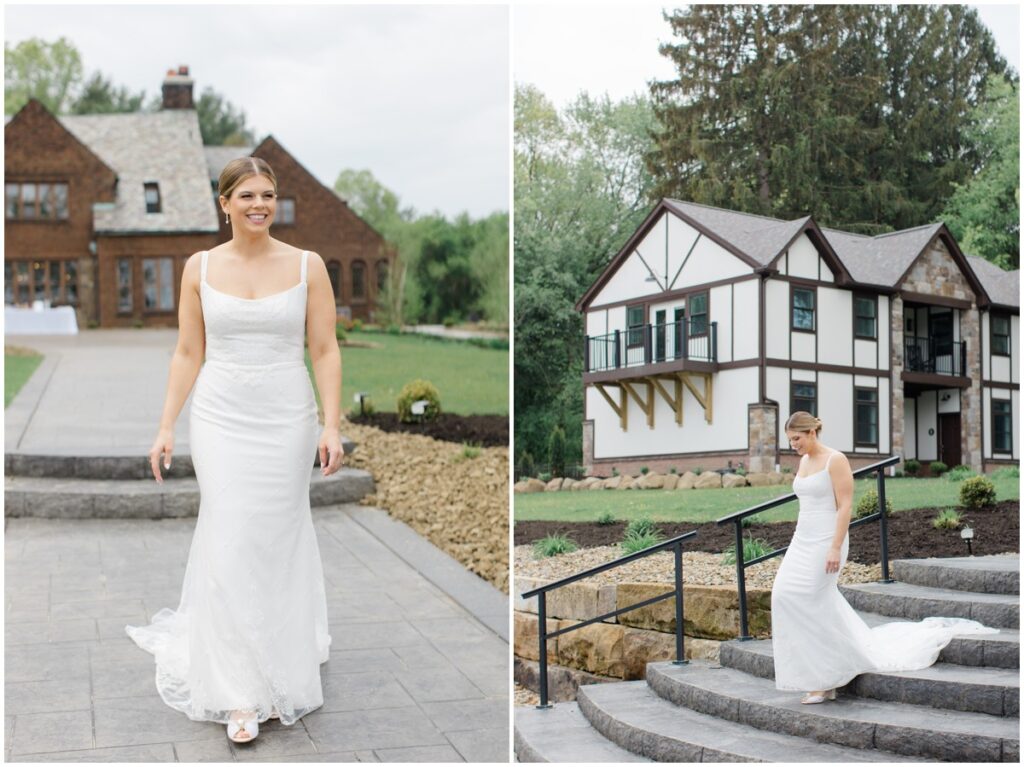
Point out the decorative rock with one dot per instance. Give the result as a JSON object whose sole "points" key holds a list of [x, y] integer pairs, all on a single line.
{"points": [[563, 683], [758, 479], [640, 647], [554, 484], [534, 486], [626, 482], [687, 481], [576, 601], [569, 483], [651, 482], [777, 478], [710, 612], [599, 485], [734, 480], [708, 479], [612, 483], [520, 486], [525, 641], [671, 480], [596, 648]]}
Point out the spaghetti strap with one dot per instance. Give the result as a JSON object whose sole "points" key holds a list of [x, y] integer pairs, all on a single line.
{"points": [[829, 459], [305, 254], [202, 268]]}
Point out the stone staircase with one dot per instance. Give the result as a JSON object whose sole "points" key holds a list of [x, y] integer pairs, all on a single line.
{"points": [[122, 487], [963, 708]]}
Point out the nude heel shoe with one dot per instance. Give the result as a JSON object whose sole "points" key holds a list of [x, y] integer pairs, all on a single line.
{"points": [[243, 723], [828, 695]]}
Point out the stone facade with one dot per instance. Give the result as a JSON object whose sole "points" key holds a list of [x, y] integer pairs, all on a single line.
{"points": [[896, 382], [762, 420], [588, 446], [936, 273], [970, 398]]}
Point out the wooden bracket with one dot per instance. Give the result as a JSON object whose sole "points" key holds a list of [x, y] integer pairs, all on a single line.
{"points": [[676, 402], [705, 398], [620, 408], [648, 405]]}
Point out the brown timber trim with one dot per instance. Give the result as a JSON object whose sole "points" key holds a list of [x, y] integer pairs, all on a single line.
{"points": [[668, 295], [925, 298], [762, 342], [637, 373], [824, 368], [825, 253], [806, 282], [934, 379], [1001, 385]]}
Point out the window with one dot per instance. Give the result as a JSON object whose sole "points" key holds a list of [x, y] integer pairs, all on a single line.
{"points": [[1000, 326], [698, 305], [38, 202], [152, 191], [358, 280], [285, 213], [8, 283], [334, 272], [865, 313], [803, 396], [635, 325], [125, 300], [1002, 426], [866, 427], [803, 309], [53, 281], [158, 284], [382, 275]]}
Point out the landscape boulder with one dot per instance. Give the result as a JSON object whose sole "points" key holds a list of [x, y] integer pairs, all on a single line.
{"points": [[708, 479], [687, 481], [734, 480]]}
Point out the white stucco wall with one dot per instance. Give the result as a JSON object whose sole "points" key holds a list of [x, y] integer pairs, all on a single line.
{"points": [[884, 333], [835, 322], [733, 391], [802, 260], [748, 319], [804, 346], [777, 319], [927, 444], [909, 430], [681, 237], [835, 409]]}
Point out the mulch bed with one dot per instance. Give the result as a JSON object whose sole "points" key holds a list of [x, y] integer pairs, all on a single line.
{"points": [[911, 535], [483, 430]]}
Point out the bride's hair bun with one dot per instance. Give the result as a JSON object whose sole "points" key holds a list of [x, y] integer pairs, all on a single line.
{"points": [[801, 420]]}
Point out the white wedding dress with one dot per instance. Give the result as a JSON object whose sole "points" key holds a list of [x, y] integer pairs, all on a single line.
{"points": [[818, 641], [250, 631]]}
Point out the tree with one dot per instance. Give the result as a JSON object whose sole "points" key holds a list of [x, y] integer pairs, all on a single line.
{"points": [[100, 96], [984, 212], [220, 122], [49, 72]]}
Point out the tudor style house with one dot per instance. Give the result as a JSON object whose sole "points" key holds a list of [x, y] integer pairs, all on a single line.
{"points": [[710, 327], [102, 211]]}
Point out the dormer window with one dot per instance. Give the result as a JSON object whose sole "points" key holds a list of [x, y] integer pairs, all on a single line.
{"points": [[152, 197]]}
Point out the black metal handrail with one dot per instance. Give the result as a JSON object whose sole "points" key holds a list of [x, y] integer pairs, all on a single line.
{"points": [[676, 544], [647, 344], [926, 354], [738, 517]]}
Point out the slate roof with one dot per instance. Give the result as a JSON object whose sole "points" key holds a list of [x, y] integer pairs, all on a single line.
{"points": [[1002, 287], [219, 156], [165, 147]]}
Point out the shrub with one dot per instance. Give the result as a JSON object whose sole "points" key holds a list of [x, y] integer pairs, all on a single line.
{"points": [[526, 467], [641, 526], [740, 470], [1007, 472], [544, 476], [673, 470], [468, 452], [937, 468], [698, 470], [615, 472], [393, 329], [868, 504], [413, 392], [911, 467], [977, 492], [643, 469], [607, 518], [947, 519], [786, 470], [550, 545], [556, 451], [637, 542], [752, 549], [960, 473], [357, 324]]}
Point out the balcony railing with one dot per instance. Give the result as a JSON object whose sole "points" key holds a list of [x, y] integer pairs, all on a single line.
{"points": [[922, 354], [650, 344]]}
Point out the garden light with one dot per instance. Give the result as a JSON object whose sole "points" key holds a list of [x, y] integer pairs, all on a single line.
{"points": [[968, 535]]}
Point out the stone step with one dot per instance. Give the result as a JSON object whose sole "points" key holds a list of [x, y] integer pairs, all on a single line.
{"points": [[108, 465], [998, 574], [912, 602], [632, 716], [904, 728], [562, 734], [145, 499], [985, 690]]}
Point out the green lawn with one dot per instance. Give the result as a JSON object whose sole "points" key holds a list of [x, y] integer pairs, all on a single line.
{"points": [[470, 379], [706, 505], [19, 365]]}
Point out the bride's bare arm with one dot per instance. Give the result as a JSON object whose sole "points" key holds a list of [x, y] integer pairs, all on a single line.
{"points": [[185, 363], [321, 316], [842, 484]]}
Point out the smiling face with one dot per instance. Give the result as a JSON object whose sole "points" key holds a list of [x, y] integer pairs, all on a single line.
{"points": [[252, 204], [802, 441]]}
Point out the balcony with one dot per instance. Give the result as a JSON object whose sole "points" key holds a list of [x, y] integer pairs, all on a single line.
{"points": [[931, 360], [652, 349]]}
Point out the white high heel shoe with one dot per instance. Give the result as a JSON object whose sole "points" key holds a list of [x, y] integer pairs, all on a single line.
{"points": [[243, 723], [829, 695]]}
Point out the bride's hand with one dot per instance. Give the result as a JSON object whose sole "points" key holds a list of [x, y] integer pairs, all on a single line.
{"points": [[330, 446], [162, 445], [832, 560]]}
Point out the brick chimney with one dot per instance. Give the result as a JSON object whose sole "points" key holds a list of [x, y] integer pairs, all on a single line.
{"points": [[177, 90]]}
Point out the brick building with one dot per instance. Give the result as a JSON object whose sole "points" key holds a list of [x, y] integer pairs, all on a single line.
{"points": [[102, 211]]}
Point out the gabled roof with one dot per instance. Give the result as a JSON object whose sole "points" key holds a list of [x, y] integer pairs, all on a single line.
{"points": [[1002, 287], [163, 147], [219, 156], [883, 259]]}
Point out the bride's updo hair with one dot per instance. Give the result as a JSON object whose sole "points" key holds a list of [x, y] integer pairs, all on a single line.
{"points": [[238, 170], [801, 420]]}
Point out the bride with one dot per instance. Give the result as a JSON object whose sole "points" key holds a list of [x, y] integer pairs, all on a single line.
{"points": [[819, 642]]}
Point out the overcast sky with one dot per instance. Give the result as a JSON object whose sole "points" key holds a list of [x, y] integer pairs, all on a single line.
{"points": [[417, 94], [614, 48]]}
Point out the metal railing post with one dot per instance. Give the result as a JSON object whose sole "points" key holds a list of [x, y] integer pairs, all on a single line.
{"points": [[618, 344], [586, 354], [686, 341], [741, 582], [714, 342], [680, 654], [647, 344], [883, 527], [542, 632]]}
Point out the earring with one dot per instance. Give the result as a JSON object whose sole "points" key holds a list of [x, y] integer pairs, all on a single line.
{"points": [[227, 220]]}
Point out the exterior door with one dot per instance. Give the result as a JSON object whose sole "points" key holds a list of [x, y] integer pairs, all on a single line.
{"points": [[949, 439]]}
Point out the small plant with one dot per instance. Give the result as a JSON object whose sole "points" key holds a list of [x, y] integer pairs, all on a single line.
{"points": [[638, 542], [526, 467], [357, 325], [977, 492], [673, 470], [393, 329], [911, 467], [699, 470], [868, 504], [740, 470], [544, 476], [415, 391], [615, 472], [898, 474], [551, 545], [468, 452], [748, 521], [947, 519], [606, 518], [1007, 472], [556, 451], [643, 469], [752, 549], [937, 468], [960, 473], [786, 470], [138, 324], [641, 526]]}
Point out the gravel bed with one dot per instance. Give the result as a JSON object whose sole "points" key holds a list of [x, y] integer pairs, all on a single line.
{"points": [[524, 696], [699, 568]]}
